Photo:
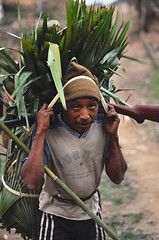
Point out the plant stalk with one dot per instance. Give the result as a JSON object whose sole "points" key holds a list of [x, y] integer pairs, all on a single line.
{"points": [[73, 196]]}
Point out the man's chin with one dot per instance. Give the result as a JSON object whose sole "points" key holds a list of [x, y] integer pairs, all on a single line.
{"points": [[83, 128]]}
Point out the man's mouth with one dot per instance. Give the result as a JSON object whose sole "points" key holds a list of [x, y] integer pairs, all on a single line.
{"points": [[84, 123]]}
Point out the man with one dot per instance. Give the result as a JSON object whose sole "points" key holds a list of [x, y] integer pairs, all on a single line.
{"points": [[80, 142]]}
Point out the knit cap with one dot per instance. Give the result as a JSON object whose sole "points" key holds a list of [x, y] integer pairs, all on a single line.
{"points": [[79, 82]]}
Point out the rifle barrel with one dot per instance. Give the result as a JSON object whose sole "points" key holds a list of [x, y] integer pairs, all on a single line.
{"points": [[139, 112]]}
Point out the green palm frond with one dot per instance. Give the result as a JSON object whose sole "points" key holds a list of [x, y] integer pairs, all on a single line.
{"points": [[7, 199], [92, 36], [16, 209]]}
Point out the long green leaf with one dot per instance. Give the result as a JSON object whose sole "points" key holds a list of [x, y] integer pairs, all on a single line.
{"points": [[115, 97], [20, 20], [99, 31], [13, 35], [133, 59], [54, 63], [123, 33], [20, 81], [37, 26], [116, 73], [6, 75], [7, 58], [69, 27], [7, 68]]}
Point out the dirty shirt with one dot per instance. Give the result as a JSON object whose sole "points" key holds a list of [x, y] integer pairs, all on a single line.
{"points": [[78, 160]]}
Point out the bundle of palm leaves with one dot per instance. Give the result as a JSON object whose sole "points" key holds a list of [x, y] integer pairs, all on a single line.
{"points": [[97, 41]]}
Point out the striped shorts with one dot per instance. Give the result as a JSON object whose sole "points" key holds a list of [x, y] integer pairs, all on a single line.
{"points": [[56, 228]]}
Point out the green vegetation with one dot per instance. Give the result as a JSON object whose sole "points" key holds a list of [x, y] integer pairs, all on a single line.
{"points": [[112, 192], [125, 226], [91, 36]]}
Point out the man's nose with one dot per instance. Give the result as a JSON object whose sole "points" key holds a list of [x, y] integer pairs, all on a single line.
{"points": [[84, 114]]}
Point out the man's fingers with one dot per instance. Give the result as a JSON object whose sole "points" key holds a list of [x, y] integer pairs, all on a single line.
{"points": [[49, 109], [44, 107], [48, 113], [110, 106], [112, 115], [46, 110]]}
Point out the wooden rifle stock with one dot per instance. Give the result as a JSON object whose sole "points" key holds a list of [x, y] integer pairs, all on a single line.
{"points": [[138, 112]]}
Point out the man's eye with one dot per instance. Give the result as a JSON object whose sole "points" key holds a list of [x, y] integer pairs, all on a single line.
{"points": [[76, 107], [92, 106]]}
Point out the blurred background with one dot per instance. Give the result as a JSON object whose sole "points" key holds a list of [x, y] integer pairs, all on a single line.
{"points": [[131, 208]]}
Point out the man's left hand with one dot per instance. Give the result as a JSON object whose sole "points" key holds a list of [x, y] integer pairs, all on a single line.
{"points": [[111, 121]]}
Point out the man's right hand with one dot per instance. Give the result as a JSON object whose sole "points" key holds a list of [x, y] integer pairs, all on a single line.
{"points": [[43, 117]]}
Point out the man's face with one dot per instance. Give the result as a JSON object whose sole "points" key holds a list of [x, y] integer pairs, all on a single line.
{"points": [[80, 114]]}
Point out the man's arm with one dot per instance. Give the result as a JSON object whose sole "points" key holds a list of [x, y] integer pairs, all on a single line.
{"points": [[33, 169], [115, 164]]}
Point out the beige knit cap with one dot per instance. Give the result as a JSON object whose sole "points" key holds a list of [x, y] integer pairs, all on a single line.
{"points": [[79, 82]]}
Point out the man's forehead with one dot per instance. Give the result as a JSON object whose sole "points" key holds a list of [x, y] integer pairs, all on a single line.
{"points": [[90, 99]]}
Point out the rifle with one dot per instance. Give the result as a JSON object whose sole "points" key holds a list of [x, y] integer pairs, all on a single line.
{"points": [[138, 112]]}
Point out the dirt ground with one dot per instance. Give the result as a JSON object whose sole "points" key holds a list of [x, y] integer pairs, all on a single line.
{"points": [[138, 141], [141, 153]]}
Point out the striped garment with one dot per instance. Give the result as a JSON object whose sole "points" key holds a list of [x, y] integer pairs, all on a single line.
{"points": [[56, 228]]}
